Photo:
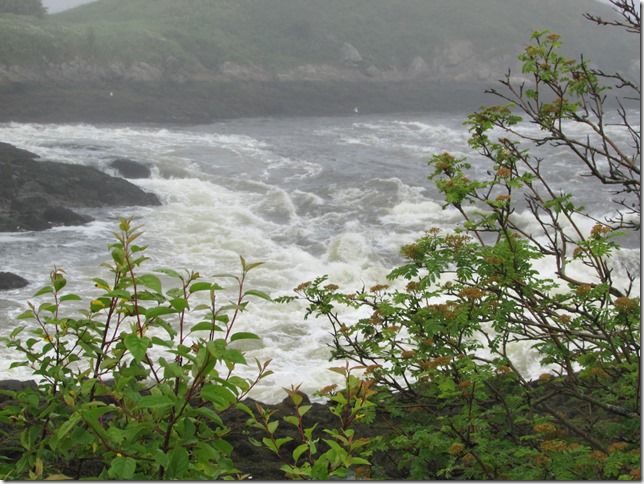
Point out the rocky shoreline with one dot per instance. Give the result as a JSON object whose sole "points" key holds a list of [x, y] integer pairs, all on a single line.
{"points": [[37, 195]]}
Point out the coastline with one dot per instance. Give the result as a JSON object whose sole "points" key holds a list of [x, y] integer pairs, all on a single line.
{"points": [[198, 103]]}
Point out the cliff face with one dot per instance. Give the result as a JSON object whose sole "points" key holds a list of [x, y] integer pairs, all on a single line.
{"points": [[454, 62]]}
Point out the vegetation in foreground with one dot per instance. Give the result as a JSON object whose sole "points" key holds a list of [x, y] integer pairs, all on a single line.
{"points": [[126, 383]]}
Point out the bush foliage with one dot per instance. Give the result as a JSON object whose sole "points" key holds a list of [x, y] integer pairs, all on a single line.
{"points": [[442, 347]]}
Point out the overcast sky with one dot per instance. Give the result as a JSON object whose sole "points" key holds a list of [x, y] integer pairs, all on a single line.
{"points": [[54, 6]]}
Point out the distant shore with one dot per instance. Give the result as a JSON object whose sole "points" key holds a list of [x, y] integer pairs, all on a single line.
{"points": [[196, 103]]}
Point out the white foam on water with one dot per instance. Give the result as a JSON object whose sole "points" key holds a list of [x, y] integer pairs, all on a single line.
{"points": [[307, 197]]}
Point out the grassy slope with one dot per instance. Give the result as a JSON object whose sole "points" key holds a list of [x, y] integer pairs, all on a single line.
{"points": [[284, 33]]}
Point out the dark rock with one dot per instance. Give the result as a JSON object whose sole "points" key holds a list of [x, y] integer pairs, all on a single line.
{"points": [[9, 280], [37, 195], [131, 169]]}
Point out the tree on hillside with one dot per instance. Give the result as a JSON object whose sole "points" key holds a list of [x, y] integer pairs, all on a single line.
{"points": [[529, 270], [23, 7]]}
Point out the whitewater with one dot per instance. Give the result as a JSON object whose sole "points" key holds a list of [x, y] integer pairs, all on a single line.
{"points": [[307, 196]]}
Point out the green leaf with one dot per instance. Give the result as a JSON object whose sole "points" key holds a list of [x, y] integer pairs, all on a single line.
{"points": [[292, 420], [119, 293], [177, 463], [199, 286], [122, 468], [272, 426], [70, 297], [260, 294], [150, 281], [44, 290], [137, 345], [180, 304], [209, 413], [234, 356], [243, 335], [169, 272], [28, 314], [247, 267], [92, 412], [155, 401], [158, 311], [162, 342], [203, 326], [218, 395], [100, 283], [299, 450], [59, 282]]}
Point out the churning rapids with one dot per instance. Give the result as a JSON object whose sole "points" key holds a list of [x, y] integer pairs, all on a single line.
{"points": [[307, 196]]}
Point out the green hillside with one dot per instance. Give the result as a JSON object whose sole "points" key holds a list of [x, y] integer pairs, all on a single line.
{"points": [[279, 34]]}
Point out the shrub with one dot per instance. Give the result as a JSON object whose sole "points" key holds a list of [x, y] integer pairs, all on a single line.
{"points": [[443, 346], [134, 387]]}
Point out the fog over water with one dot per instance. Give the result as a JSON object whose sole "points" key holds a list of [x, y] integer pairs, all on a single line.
{"points": [[308, 196]]}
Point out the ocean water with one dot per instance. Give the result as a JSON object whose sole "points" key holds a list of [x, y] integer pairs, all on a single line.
{"points": [[306, 196]]}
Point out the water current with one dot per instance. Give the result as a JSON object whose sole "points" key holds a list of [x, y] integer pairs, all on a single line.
{"points": [[307, 196]]}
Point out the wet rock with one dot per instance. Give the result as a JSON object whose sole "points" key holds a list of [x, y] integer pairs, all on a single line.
{"points": [[9, 280], [37, 195], [131, 169]]}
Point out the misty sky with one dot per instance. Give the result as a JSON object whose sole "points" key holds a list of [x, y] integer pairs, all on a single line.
{"points": [[54, 6]]}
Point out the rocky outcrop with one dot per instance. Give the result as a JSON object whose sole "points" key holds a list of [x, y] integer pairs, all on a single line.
{"points": [[9, 280], [131, 169], [456, 61], [37, 195]]}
